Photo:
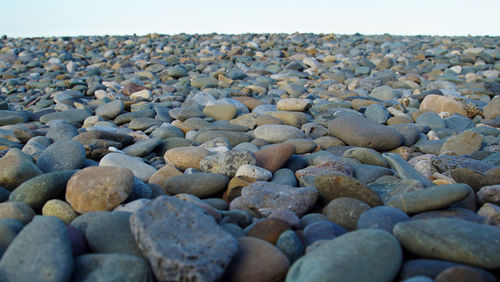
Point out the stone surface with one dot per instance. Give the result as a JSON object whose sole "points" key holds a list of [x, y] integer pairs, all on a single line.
{"points": [[38, 190], [274, 133], [111, 267], [430, 198], [16, 210], [15, 168], [139, 169], [383, 218], [257, 260], [464, 144], [50, 258], [265, 197], [336, 185], [227, 163], [181, 242], [358, 131], [62, 155], [99, 188], [274, 157], [451, 239], [345, 211], [380, 260], [110, 233], [201, 184], [59, 209], [440, 104]]}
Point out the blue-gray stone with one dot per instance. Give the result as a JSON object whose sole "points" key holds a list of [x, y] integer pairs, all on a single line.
{"points": [[74, 115], [382, 217], [4, 194], [369, 173], [291, 245], [377, 113], [61, 131], [284, 176], [431, 119], [451, 239], [374, 254], [410, 133], [142, 147], [432, 267], [110, 233], [40, 252], [322, 230], [311, 218], [405, 170], [111, 267], [82, 221], [9, 228], [140, 190], [62, 155]]}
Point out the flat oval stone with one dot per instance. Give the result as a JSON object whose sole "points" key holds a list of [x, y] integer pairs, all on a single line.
{"points": [[359, 131], [336, 185], [62, 155], [106, 267], [50, 257], [139, 169], [15, 168], [451, 239], [186, 157], [234, 138], [275, 133], [38, 190], [99, 188], [430, 198], [71, 116], [380, 259], [256, 260], [200, 184]]}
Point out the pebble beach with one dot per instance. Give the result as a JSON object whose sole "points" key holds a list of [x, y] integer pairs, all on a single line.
{"points": [[251, 157]]}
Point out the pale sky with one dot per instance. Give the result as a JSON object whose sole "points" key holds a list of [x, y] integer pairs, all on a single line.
{"points": [[29, 18]]}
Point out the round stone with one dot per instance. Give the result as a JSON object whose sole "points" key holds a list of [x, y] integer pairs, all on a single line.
{"points": [[383, 218], [275, 133], [59, 209], [62, 155], [99, 188], [257, 260], [16, 210], [345, 211], [15, 168], [362, 132]]}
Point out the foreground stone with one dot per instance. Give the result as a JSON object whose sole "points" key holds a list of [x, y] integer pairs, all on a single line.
{"points": [[50, 257], [362, 255], [181, 242], [451, 239]]}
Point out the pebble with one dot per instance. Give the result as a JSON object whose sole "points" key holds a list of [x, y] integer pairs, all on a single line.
{"points": [[336, 185], [15, 168], [281, 97], [430, 198], [106, 267], [62, 155], [227, 163], [359, 131], [140, 169], [383, 218], [16, 210], [110, 233], [38, 190], [253, 172], [59, 209], [459, 240], [166, 224], [380, 260], [50, 259], [99, 188], [201, 184], [257, 260], [275, 133], [345, 211], [265, 197]]}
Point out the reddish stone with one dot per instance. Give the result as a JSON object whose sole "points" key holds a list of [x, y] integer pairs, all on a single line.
{"points": [[274, 157]]}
